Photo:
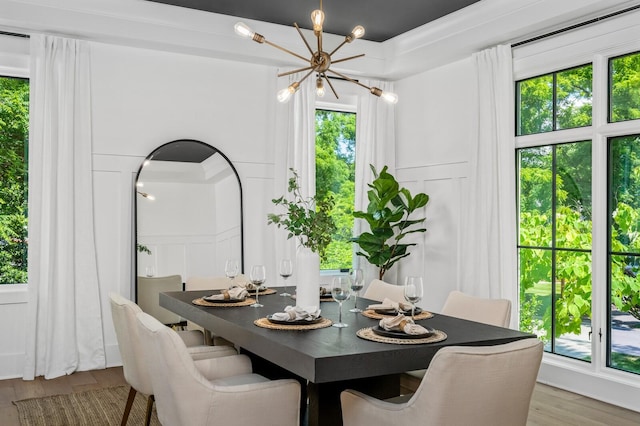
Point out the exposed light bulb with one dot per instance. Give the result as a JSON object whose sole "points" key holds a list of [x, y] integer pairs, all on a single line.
{"points": [[140, 184], [358, 31], [285, 94], [150, 197], [243, 30], [389, 97], [317, 19], [319, 88], [146, 163]]}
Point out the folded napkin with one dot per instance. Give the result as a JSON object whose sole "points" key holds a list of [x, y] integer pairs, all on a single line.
{"points": [[248, 286], [297, 313], [402, 323], [390, 304], [237, 293]]}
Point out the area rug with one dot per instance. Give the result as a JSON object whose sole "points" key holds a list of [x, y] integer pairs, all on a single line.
{"points": [[99, 407]]}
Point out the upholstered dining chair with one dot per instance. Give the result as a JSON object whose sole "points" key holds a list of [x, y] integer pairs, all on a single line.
{"points": [[134, 364], [149, 289], [488, 311], [229, 394], [464, 385], [211, 283], [460, 305], [379, 290]]}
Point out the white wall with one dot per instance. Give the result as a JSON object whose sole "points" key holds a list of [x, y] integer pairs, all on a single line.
{"points": [[432, 154], [140, 100]]}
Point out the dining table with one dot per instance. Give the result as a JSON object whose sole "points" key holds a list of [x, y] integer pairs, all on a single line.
{"points": [[328, 360]]}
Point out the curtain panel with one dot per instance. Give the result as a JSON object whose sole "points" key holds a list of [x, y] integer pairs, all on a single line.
{"points": [[64, 323], [488, 245]]}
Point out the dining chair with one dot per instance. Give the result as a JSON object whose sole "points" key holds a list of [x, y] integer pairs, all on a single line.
{"points": [[464, 385], [229, 394], [135, 364], [149, 289], [379, 290], [211, 283], [460, 305]]}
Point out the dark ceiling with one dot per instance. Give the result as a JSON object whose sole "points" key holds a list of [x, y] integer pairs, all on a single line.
{"points": [[382, 19]]}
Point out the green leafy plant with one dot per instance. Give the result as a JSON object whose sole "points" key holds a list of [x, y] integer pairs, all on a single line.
{"points": [[309, 219], [388, 212], [142, 248]]}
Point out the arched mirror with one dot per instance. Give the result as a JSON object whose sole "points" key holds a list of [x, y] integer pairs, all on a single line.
{"points": [[188, 204]]}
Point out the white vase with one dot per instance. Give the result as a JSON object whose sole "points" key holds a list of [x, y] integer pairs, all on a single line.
{"points": [[307, 278]]}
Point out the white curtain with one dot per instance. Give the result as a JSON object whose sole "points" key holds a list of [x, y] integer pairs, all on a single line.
{"points": [[298, 152], [375, 144], [64, 324], [488, 234]]}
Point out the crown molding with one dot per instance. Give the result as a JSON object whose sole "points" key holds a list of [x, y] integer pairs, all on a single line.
{"points": [[151, 25]]}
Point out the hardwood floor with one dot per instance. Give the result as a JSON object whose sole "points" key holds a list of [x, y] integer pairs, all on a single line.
{"points": [[549, 406]]}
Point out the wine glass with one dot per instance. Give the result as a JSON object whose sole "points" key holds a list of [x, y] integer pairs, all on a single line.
{"points": [[258, 276], [341, 290], [286, 270], [231, 269], [413, 292], [357, 282]]}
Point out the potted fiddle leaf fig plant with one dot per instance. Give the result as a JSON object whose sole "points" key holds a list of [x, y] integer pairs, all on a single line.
{"points": [[309, 219], [389, 217]]}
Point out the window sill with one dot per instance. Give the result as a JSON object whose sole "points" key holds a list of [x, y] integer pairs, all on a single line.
{"points": [[13, 293]]}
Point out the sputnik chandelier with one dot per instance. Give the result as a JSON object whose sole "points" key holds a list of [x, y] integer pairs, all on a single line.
{"points": [[320, 61]]}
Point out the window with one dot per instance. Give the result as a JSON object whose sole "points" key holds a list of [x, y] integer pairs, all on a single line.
{"points": [[555, 245], [335, 177], [556, 217], [555, 101], [14, 126]]}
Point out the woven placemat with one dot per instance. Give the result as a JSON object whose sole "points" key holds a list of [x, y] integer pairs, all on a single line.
{"points": [[265, 323], [370, 313], [201, 302], [368, 334]]}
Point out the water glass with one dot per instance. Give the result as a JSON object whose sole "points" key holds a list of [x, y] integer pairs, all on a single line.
{"points": [[341, 290], [258, 276], [357, 283], [413, 291]]}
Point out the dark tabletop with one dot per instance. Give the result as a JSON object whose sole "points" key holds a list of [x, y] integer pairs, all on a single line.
{"points": [[330, 354]]}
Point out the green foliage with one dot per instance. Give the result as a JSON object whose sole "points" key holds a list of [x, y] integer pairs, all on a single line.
{"points": [[143, 249], [14, 126], [625, 80], [571, 99], [309, 219], [388, 213], [335, 176]]}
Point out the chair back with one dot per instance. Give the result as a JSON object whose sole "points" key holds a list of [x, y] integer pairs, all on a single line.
{"points": [[174, 376], [149, 289], [488, 385], [134, 365], [379, 290], [488, 311]]}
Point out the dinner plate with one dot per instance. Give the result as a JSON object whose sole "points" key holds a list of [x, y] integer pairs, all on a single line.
{"points": [[223, 300], [296, 322], [394, 312], [401, 334]]}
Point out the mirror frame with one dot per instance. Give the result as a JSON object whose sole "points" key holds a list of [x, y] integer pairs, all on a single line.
{"points": [[135, 206]]}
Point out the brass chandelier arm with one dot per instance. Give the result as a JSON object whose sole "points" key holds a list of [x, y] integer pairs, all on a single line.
{"points": [[306, 43], [295, 71], [286, 50], [337, 48], [347, 59], [331, 86], [349, 79], [308, 74]]}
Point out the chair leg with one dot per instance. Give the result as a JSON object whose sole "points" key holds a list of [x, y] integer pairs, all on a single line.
{"points": [[149, 408], [127, 407]]}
